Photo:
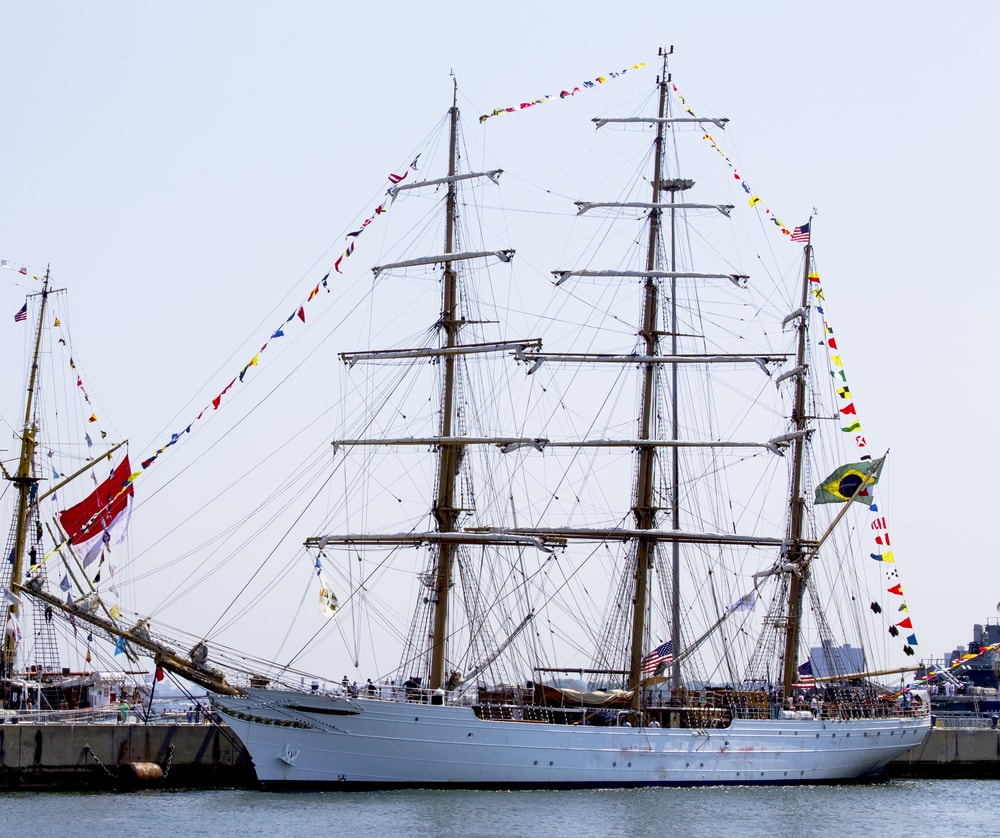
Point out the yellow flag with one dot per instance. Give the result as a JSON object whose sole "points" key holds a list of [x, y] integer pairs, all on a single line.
{"points": [[754, 200]]}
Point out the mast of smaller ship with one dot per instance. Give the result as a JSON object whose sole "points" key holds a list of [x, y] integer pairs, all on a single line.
{"points": [[25, 482], [795, 555], [644, 511], [449, 454]]}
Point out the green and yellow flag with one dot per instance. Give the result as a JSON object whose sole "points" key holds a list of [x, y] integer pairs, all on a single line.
{"points": [[850, 482]]}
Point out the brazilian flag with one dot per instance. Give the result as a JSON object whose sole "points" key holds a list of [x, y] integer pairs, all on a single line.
{"points": [[852, 481]]}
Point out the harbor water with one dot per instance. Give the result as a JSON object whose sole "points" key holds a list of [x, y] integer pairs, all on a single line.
{"points": [[952, 807]]}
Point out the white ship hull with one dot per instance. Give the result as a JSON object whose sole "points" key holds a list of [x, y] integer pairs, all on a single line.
{"points": [[306, 740]]}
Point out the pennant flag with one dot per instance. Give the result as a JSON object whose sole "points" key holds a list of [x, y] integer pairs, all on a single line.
{"points": [[64, 585], [21, 315], [850, 482], [13, 629], [327, 598], [589, 84], [104, 512], [662, 654], [896, 589], [218, 399], [744, 603], [905, 624]]}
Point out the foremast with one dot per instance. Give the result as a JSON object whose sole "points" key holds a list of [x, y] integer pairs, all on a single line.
{"points": [[796, 557], [25, 482], [450, 443], [29, 498]]}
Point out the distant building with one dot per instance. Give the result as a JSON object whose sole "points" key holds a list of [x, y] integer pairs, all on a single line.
{"points": [[984, 670], [836, 660]]}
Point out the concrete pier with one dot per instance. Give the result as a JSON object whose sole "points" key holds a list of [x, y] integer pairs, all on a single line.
{"points": [[114, 756], [952, 752]]}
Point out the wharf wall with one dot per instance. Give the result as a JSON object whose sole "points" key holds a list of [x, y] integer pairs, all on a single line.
{"points": [[952, 753], [115, 756]]}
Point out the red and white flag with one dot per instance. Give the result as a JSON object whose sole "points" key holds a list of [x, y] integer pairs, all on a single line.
{"points": [[102, 517]]}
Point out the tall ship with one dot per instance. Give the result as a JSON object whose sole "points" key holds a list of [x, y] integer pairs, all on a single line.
{"points": [[81, 706], [621, 516], [68, 485]]}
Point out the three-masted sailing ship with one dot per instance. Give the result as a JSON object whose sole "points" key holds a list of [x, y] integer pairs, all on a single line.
{"points": [[618, 487]]}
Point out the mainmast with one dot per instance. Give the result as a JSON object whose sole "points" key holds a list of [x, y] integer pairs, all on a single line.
{"points": [[795, 556], [648, 530], [644, 510], [25, 482], [450, 453]]}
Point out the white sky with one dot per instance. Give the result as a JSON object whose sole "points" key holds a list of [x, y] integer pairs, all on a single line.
{"points": [[189, 171]]}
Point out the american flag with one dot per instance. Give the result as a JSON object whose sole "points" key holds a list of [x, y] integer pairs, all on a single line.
{"points": [[664, 653], [22, 314], [806, 680], [801, 234]]}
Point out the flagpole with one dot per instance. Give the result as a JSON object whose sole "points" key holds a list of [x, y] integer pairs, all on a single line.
{"points": [[864, 484], [80, 471]]}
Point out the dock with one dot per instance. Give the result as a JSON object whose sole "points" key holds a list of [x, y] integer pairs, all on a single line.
{"points": [[968, 752], [116, 756]]}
